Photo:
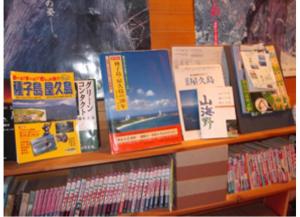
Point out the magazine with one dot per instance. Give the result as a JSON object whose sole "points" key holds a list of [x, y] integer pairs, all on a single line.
{"points": [[45, 112]]}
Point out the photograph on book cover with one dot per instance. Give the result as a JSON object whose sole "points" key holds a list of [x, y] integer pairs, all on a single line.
{"points": [[235, 22], [190, 110], [140, 99], [67, 35]]}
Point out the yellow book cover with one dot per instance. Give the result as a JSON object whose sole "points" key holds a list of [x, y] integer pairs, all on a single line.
{"points": [[45, 112]]}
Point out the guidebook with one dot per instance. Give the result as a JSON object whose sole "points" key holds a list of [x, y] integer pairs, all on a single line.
{"points": [[187, 81], [140, 100], [257, 101], [45, 112]]}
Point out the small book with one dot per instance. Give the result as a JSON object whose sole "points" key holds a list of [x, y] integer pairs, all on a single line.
{"points": [[217, 112], [87, 117], [187, 80], [140, 100], [45, 112]]}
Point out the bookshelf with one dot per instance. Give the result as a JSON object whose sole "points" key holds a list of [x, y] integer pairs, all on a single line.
{"points": [[85, 159], [172, 23], [231, 200]]}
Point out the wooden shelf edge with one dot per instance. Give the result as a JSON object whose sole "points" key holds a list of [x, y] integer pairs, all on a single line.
{"points": [[11, 168], [231, 199]]}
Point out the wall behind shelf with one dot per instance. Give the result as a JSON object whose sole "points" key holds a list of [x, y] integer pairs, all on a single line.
{"points": [[172, 24]]}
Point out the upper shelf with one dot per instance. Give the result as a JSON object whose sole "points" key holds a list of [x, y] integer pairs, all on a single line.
{"points": [[85, 159]]}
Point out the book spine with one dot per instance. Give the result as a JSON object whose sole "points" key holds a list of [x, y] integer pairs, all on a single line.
{"points": [[78, 204], [124, 192], [90, 198], [24, 204], [58, 204], [45, 201], [85, 198], [63, 206], [30, 203], [140, 190], [9, 205], [144, 191], [75, 197], [96, 196]]}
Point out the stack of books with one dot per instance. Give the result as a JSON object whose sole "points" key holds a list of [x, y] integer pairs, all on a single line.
{"points": [[258, 164], [110, 189]]}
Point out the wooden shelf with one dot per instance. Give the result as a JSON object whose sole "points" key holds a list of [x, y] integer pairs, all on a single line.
{"points": [[231, 200], [85, 159]]}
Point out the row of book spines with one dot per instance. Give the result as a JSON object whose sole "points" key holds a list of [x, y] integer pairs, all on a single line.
{"points": [[251, 170], [86, 197]]}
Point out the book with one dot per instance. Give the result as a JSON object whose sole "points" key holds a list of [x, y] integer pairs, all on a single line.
{"points": [[87, 117], [263, 85], [201, 55], [217, 112], [248, 123], [187, 81], [140, 100], [258, 68], [45, 112]]}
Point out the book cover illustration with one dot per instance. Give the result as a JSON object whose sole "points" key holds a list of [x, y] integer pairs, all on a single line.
{"points": [[87, 117], [217, 112], [45, 112], [187, 80], [140, 100]]}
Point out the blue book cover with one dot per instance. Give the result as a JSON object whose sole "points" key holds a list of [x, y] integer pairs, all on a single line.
{"points": [[140, 100]]}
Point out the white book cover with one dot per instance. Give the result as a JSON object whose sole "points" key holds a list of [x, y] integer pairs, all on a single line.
{"points": [[187, 80], [217, 112], [200, 55]]}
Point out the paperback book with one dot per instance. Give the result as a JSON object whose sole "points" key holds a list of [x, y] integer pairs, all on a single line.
{"points": [[187, 81], [217, 112], [87, 117], [260, 99], [45, 112], [140, 100]]}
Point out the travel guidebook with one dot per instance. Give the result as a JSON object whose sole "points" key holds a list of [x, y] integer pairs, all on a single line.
{"points": [[187, 81], [87, 117], [140, 100], [267, 98], [45, 112]]}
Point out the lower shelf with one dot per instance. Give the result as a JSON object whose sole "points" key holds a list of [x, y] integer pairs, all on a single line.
{"points": [[231, 199]]}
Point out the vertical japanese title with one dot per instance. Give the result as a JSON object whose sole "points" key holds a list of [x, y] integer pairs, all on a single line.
{"points": [[206, 112]]}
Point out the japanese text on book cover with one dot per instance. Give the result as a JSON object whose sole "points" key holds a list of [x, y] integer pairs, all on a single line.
{"points": [[140, 100], [45, 111]]}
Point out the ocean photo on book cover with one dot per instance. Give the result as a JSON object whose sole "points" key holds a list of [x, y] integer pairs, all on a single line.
{"points": [[140, 100]]}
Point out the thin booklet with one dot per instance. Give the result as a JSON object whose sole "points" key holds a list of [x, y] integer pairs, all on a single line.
{"points": [[217, 112]]}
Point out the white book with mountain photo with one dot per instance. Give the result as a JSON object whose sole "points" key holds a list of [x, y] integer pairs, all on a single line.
{"points": [[188, 79]]}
